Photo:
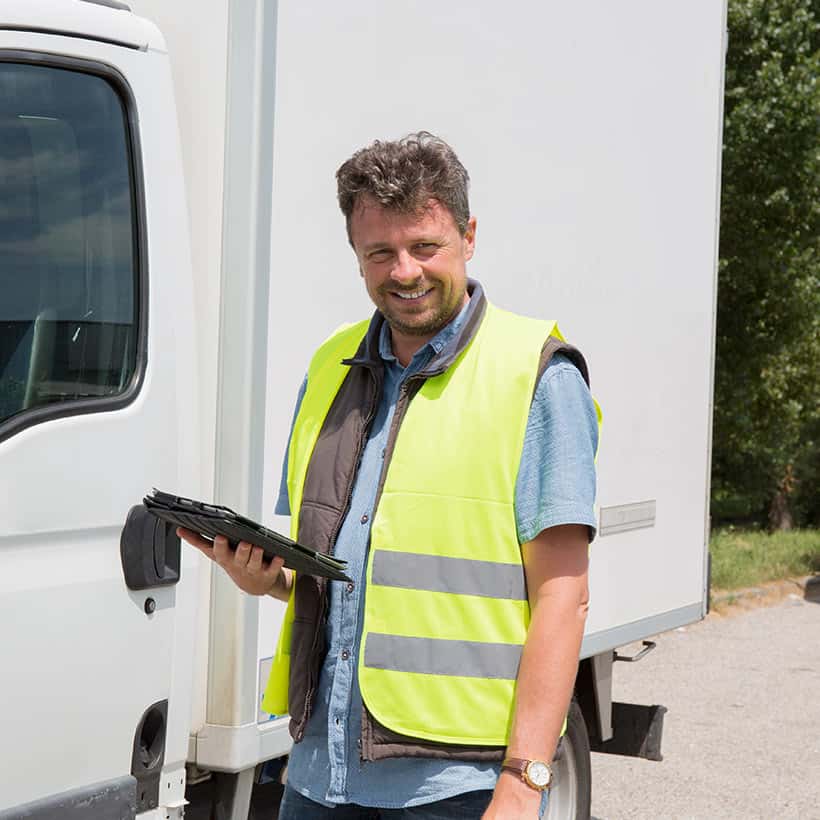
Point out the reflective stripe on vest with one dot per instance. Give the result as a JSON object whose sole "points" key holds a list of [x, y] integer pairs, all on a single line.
{"points": [[463, 576], [433, 656]]}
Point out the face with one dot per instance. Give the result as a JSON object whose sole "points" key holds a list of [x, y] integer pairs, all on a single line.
{"points": [[414, 266]]}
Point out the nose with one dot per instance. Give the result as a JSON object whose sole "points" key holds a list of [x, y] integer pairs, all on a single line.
{"points": [[407, 269]]}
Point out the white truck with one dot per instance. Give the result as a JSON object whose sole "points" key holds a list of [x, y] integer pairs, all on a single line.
{"points": [[170, 254]]}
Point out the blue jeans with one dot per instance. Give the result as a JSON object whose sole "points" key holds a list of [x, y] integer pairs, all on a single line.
{"points": [[467, 806]]}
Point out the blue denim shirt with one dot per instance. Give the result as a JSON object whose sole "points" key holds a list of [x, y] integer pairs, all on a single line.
{"points": [[555, 485]]}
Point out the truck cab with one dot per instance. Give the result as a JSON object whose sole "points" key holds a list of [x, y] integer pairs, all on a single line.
{"points": [[96, 372]]}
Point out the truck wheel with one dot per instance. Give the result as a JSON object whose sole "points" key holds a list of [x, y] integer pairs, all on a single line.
{"points": [[571, 796]]}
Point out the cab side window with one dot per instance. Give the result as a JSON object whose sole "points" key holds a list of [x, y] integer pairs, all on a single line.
{"points": [[69, 281]]}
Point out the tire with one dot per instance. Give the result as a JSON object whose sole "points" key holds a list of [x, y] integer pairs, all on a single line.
{"points": [[571, 795]]}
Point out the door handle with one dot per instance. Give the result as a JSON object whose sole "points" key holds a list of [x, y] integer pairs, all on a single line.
{"points": [[150, 550]]}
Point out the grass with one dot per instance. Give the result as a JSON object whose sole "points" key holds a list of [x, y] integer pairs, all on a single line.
{"points": [[746, 558]]}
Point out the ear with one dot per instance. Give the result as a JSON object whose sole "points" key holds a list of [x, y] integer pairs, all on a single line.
{"points": [[469, 239]]}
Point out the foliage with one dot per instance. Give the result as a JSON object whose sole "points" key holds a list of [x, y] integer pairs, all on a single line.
{"points": [[744, 558], [767, 421]]}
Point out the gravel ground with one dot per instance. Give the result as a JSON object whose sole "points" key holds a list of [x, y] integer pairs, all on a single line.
{"points": [[742, 735]]}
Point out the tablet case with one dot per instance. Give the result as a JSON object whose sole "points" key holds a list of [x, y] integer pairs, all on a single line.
{"points": [[210, 520]]}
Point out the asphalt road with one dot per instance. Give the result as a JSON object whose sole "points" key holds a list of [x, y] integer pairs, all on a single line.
{"points": [[742, 735]]}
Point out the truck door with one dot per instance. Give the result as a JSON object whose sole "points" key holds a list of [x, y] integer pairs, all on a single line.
{"points": [[95, 368]]}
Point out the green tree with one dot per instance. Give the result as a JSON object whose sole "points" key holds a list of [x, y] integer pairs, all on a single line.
{"points": [[765, 457]]}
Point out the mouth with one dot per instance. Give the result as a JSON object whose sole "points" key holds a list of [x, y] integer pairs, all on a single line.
{"points": [[411, 296]]}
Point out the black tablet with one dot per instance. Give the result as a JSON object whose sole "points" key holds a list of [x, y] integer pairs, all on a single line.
{"points": [[210, 520]]}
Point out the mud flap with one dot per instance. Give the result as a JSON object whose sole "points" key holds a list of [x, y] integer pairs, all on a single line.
{"points": [[637, 732]]}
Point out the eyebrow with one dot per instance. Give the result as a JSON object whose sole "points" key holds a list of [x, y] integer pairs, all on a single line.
{"points": [[431, 237]]}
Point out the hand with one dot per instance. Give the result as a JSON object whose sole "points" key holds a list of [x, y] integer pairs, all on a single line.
{"points": [[513, 799], [245, 564]]}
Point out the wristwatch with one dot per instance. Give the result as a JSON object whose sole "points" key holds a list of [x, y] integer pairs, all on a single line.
{"points": [[535, 773]]}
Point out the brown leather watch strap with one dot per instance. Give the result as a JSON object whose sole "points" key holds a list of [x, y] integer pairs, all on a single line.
{"points": [[515, 764], [535, 773]]}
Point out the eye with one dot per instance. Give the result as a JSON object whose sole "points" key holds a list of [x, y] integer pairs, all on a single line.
{"points": [[426, 247], [379, 255]]}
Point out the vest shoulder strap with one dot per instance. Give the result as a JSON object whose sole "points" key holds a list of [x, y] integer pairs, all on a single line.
{"points": [[326, 368], [555, 345]]}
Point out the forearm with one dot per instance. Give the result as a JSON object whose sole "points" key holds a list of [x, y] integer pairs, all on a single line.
{"points": [[545, 681], [547, 674], [555, 564]]}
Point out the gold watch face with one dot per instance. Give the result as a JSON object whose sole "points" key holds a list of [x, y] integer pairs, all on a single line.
{"points": [[538, 774]]}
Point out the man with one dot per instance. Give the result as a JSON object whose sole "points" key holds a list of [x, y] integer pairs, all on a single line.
{"points": [[445, 449]]}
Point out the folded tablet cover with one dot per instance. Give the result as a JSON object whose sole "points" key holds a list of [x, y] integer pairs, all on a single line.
{"points": [[211, 520]]}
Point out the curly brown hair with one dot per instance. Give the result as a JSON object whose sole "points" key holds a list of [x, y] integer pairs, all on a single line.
{"points": [[403, 175]]}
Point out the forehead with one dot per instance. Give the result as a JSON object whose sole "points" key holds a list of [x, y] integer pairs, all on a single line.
{"points": [[372, 223]]}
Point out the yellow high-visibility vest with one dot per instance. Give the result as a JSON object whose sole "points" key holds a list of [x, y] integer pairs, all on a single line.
{"points": [[446, 610]]}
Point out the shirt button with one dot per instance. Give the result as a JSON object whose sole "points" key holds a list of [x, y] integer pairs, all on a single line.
{"points": [[350, 586], [364, 519], [345, 654]]}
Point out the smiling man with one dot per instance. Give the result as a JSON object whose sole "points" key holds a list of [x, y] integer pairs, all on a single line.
{"points": [[414, 266], [445, 449]]}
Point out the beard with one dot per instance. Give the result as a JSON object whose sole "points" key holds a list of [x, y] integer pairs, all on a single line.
{"points": [[429, 319]]}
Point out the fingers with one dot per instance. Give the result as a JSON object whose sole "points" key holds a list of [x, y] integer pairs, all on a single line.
{"points": [[259, 575], [217, 550], [246, 559], [246, 564], [255, 561], [242, 555]]}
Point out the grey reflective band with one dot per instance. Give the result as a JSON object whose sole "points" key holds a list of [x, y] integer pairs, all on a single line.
{"points": [[461, 576], [434, 656]]}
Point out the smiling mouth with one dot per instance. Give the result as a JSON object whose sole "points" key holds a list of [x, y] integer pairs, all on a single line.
{"points": [[412, 296]]}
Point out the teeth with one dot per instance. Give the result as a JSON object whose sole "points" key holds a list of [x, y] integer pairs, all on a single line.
{"points": [[411, 295]]}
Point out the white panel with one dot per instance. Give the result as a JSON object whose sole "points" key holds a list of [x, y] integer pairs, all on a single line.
{"points": [[591, 132]]}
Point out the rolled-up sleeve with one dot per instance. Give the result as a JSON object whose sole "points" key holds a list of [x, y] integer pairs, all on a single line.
{"points": [[556, 476]]}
